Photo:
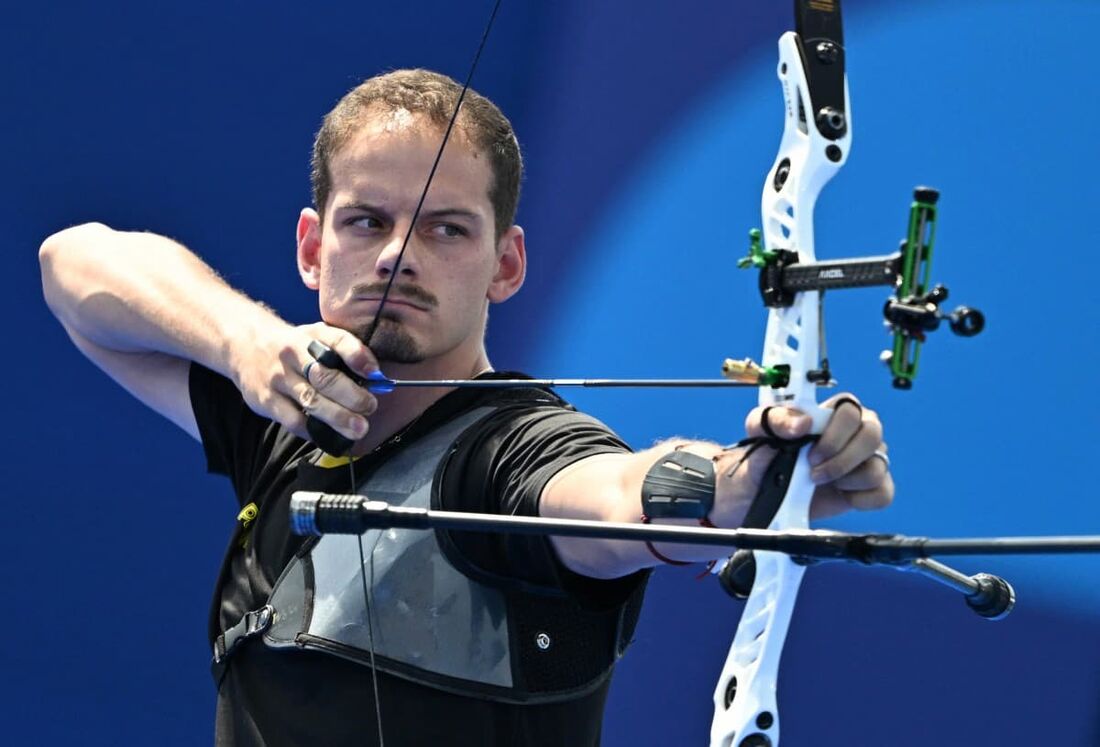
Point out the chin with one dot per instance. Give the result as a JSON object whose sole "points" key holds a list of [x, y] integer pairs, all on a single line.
{"points": [[393, 344]]}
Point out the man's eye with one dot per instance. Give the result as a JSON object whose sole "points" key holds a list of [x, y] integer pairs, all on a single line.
{"points": [[450, 230], [365, 221]]}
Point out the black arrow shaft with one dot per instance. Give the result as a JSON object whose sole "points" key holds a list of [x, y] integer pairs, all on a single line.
{"points": [[595, 383]]}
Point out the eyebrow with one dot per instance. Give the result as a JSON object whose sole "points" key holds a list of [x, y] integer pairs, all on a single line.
{"points": [[437, 214]]}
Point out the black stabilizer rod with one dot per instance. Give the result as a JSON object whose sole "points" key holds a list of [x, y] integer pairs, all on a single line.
{"points": [[332, 513], [313, 513]]}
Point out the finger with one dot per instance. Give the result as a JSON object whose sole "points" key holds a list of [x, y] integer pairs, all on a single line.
{"points": [[829, 501], [287, 412], [844, 423], [868, 500], [784, 422], [868, 475], [860, 448], [333, 383], [312, 403], [336, 386]]}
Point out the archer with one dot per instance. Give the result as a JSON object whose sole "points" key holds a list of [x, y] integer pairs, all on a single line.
{"points": [[470, 639]]}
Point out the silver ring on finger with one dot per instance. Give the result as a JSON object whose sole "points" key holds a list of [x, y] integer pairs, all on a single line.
{"points": [[305, 371], [882, 455]]}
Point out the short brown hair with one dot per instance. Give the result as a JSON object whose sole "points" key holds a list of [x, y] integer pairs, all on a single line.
{"points": [[435, 96]]}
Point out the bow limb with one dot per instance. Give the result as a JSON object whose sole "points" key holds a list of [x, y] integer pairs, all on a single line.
{"points": [[745, 713]]}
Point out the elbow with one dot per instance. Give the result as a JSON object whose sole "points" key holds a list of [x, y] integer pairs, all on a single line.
{"points": [[59, 260], [601, 559], [64, 242]]}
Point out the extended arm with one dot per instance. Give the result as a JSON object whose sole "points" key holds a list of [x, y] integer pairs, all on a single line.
{"points": [[608, 487]]}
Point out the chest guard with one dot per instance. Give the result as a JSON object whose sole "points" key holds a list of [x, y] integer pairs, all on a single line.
{"points": [[431, 623]]}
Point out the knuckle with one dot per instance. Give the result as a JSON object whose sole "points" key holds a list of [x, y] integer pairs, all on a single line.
{"points": [[288, 354], [874, 429], [325, 377], [821, 452], [883, 495], [307, 397], [752, 418], [324, 332], [296, 424], [366, 403], [847, 406], [853, 416], [270, 378], [346, 340]]}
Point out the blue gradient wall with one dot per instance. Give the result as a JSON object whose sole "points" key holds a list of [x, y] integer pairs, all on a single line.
{"points": [[648, 128]]}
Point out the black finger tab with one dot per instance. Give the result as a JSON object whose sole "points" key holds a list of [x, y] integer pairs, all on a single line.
{"points": [[329, 358], [325, 355], [327, 438], [322, 434]]}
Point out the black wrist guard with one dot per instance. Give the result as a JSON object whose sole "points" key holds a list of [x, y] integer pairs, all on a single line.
{"points": [[680, 485]]}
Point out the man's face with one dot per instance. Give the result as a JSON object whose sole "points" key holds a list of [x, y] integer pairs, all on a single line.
{"points": [[451, 268]]}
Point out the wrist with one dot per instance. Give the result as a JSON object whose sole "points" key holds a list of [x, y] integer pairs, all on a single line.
{"points": [[244, 328]]}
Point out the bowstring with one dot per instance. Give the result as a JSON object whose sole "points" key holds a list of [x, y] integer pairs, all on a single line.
{"points": [[431, 175], [363, 561]]}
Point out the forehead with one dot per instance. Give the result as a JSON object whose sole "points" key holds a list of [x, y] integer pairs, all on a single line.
{"points": [[394, 151]]}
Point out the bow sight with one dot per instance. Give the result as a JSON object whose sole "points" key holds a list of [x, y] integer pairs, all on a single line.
{"points": [[911, 313]]}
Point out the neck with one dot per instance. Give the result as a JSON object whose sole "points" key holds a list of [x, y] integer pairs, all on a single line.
{"points": [[403, 405]]}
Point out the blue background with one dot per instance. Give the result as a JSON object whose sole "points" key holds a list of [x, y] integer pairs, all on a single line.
{"points": [[648, 128]]}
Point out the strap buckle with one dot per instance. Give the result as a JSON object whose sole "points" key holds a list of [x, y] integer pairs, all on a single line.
{"points": [[252, 624]]}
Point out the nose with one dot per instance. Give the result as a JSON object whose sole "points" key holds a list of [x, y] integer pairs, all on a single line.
{"points": [[392, 257]]}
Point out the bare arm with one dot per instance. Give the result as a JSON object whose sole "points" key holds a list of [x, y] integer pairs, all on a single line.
{"points": [[142, 307], [608, 487]]}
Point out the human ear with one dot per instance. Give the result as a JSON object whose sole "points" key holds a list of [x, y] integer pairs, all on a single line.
{"points": [[511, 266], [309, 248]]}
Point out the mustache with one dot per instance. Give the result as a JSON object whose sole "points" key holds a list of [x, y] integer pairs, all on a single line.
{"points": [[412, 293]]}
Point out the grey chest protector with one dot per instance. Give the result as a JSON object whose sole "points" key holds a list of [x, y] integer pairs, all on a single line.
{"points": [[431, 623]]}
